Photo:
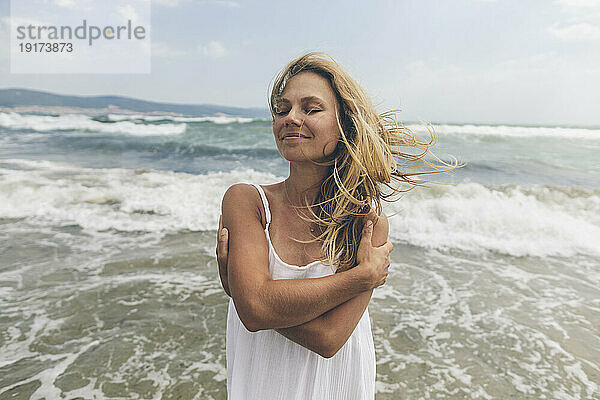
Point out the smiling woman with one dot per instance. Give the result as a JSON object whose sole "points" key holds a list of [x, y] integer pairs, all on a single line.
{"points": [[300, 258]]}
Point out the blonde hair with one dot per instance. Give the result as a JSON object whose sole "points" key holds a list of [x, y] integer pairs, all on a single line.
{"points": [[366, 157]]}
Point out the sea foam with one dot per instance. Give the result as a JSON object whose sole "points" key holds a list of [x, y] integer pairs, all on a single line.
{"points": [[509, 131], [81, 122], [216, 119], [509, 219]]}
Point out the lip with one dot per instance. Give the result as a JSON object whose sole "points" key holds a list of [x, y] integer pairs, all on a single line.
{"points": [[294, 136]]}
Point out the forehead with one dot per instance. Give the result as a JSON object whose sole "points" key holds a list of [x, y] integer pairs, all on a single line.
{"points": [[308, 84]]}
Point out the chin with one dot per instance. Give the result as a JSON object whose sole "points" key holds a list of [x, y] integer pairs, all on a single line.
{"points": [[295, 155], [295, 158], [301, 158]]}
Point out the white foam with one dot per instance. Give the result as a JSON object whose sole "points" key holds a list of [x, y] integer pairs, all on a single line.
{"points": [[126, 200], [216, 119], [518, 221], [509, 131], [47, 389], [81, 122], [17, 350]]}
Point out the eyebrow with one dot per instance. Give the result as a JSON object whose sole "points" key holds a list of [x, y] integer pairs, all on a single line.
{"points": [[306, 99]]}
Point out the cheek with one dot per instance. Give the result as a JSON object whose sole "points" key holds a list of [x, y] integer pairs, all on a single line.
{"points": [[330, 147], [277, 125], [332, 138]]}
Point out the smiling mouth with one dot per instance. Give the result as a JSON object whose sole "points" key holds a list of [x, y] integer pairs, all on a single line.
{"points": [[294, 136]]}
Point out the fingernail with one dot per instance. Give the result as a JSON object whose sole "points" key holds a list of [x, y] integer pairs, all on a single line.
{"points": [[369, 223], [223, 231]]}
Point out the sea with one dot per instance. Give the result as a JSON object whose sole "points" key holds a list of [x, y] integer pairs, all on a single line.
{"points": [[109, 286]]}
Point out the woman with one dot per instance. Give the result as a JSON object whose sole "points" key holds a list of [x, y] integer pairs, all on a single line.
{"points": [[300, 258]]}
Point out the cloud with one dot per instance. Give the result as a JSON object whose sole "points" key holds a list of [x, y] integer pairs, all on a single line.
{"points": [[65, 3], [176, 3], [533, 62], [166, 3], [160, 49], [579, 3], [582, 24], [420, 69], [580, 10], [214, 49], [77, 5], [582, 31], [224, 3], [18, 21], [128, 13]]}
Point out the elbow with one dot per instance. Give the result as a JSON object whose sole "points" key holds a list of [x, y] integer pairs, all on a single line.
{"points": [[253, 318], [329, 344], [251, 326], [328, 350], [253, 323], [327, 354]]}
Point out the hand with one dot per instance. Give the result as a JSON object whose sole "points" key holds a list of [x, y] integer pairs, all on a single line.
{"points": [[222, 253], [375, 260]]}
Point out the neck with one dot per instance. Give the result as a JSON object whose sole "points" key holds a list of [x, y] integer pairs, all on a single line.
{"points": [[304, 182]]}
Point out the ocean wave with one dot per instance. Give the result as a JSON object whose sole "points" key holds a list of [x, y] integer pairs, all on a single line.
{"points": [[508, 219], [216, 119], [127, 200], [509, 131], [81, 122]]}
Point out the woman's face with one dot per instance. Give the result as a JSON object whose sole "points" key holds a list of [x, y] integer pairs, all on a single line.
{"points": [[305, 124]]}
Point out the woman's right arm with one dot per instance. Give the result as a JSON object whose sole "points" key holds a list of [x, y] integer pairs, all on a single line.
{"points": [[264, 303]]}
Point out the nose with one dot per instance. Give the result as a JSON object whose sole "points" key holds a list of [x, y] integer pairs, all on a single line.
{"points": [[293, 118]]}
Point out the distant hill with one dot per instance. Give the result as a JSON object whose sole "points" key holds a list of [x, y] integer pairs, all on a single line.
{"points": [[16, 97]]}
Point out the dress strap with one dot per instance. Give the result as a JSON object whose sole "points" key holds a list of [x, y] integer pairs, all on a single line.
{"points": [[265, 202]]}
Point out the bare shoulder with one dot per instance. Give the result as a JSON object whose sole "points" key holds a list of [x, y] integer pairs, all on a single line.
{"points": [[241, 200], [380, 229], [239, 190]]}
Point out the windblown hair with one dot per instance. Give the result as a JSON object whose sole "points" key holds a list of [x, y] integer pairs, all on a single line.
{"points": [[367, 156]]}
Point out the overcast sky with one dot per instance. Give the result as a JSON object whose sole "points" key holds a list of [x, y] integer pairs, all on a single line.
{"points": [[503, 61]]}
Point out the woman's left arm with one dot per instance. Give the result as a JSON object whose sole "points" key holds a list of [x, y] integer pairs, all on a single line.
{"points": [[327, 333]]}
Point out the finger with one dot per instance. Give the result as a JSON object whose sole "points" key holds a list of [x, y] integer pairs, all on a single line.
{"points": [[219, 232], [222, 243], [389, 246]]}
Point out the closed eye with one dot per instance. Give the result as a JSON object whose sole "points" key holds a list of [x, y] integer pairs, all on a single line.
{"points": [[306, 110]]}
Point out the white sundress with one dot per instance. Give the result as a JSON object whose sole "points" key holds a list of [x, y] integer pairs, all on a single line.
{"points": [[266, 365]]}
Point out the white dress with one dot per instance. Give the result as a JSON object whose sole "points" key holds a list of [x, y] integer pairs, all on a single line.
{"points": [[266, 365]]}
